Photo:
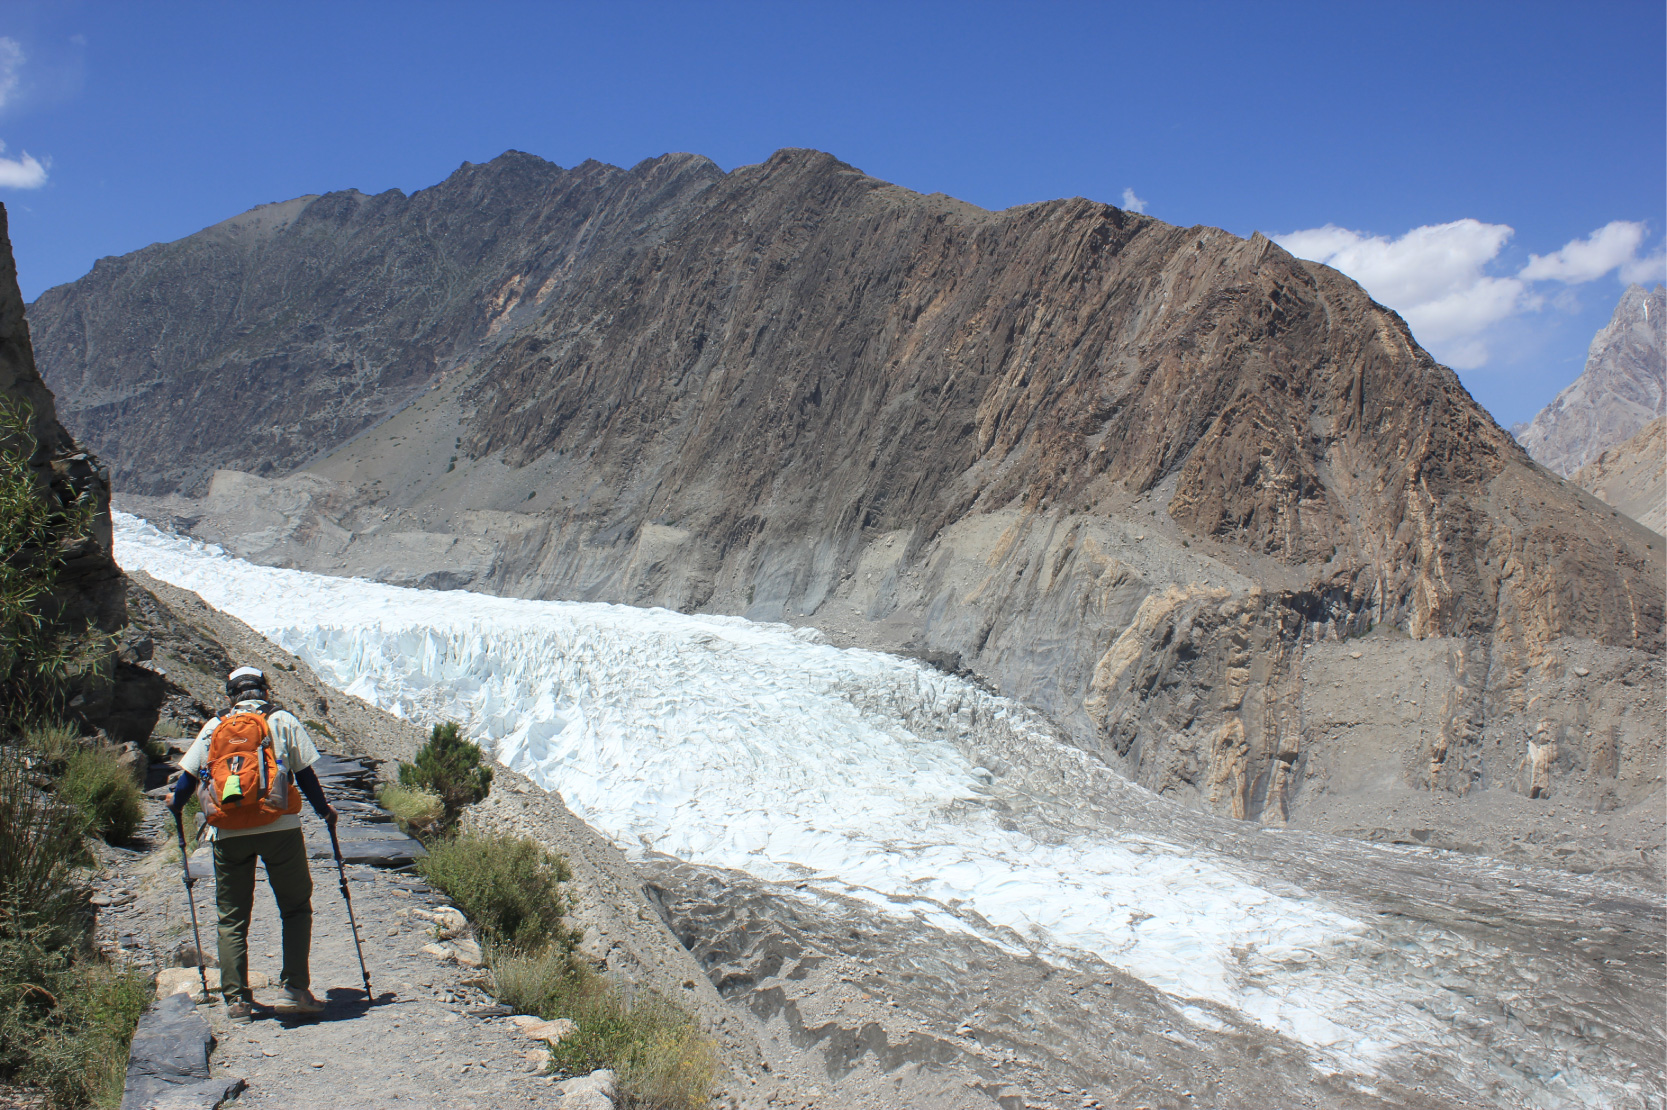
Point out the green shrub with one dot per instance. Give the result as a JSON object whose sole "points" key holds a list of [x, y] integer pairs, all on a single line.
{"points": [[510, 887], [450, 766], [66, 1016], [66, 1020], [54, 743], [40, 840], [104, 792], [39, 532], [417, 812], [661, 1058]]}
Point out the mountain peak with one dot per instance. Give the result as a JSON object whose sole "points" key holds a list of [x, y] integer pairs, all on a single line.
{"points": [[1622, 388]]}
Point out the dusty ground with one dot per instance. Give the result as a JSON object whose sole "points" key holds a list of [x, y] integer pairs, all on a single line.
{"points": [[416, 1043]]}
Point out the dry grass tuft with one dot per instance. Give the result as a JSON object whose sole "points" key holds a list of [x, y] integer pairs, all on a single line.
{"points": [[418, 812], [661, 1058]]}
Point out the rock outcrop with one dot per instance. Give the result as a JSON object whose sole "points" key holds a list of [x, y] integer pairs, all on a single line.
{"points": [[91, 592], [1632, 476], [1126, 471], [1623, 388]]}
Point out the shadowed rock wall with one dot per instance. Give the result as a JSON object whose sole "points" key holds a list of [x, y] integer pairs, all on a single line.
{"points": [[91, 589]]}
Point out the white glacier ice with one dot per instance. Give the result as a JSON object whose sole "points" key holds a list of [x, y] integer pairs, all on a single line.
{"points": [[760, 748]]}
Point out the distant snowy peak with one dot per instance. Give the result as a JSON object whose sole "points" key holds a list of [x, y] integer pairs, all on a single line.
{"points": [[1623, 388]]}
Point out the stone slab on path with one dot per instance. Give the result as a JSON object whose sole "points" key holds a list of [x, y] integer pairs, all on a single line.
{"points": [[168, 1065]]}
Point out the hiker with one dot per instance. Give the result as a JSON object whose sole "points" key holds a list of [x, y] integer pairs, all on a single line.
{"points": [[245, 767]]}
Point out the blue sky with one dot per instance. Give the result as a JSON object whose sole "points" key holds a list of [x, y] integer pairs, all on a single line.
{"points": [[1502, 131]]}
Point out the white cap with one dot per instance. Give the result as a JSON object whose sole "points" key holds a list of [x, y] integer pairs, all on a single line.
{"points": [[244, 671]]}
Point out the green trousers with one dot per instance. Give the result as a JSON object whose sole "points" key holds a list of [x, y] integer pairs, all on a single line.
{"points": [[284, 852]]}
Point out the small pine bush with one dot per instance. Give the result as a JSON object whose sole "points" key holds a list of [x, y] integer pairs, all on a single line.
{"points": [[510, 887], [450, 766]]}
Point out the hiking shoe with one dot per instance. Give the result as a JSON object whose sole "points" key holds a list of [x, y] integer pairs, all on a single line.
{"points": [[297, 1002], [241, 1013]]}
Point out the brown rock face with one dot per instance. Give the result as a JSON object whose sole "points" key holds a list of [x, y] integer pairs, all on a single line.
{"points": [[1632, 476], [91, 589], [1126, 471]]}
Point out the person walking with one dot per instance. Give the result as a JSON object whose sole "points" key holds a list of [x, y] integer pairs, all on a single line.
{"points": [[245, 768]]}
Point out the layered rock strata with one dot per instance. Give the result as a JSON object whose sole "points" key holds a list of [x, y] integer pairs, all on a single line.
{"points": [[1128, 472]]}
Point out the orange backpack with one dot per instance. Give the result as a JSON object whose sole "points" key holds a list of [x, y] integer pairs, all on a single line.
{"points": [[244, 784]]}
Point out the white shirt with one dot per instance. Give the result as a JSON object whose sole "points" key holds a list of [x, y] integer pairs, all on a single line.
{"points": [[291, 744]]}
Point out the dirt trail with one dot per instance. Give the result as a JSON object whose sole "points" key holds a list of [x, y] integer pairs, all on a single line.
{"points": [[420, 1041], [430, 1035]]}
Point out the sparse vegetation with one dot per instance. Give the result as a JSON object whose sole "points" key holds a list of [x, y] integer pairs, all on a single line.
{"points": [[39, 531], [53, 743], [66, 1016], [659, 1054], [510, 887], [449, 766], [104, 792], [417, 812]]}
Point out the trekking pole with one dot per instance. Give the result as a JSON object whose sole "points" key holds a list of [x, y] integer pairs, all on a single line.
{"points": [[185, 862], [341, 875]]}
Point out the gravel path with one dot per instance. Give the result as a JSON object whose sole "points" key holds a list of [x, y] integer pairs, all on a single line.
{"points": [[420, 1041], [429, 1037]]}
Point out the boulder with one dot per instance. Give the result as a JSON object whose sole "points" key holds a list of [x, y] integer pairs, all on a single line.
{"points": [[588, 1092], [167, 1066], [551, 1032]]}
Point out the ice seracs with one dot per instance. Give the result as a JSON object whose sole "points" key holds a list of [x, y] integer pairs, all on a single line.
{"points": [[761, 748]]}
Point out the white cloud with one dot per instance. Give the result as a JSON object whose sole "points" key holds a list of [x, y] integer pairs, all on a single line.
{"points": [[1433, 276], [25, 172], [1436, 276], [1610, 247], [11, 62], [1132, 202], [1647, 270]]}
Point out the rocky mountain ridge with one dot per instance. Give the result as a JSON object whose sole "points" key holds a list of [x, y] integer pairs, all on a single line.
{"points": [[1622, 388], [1128, 472]]}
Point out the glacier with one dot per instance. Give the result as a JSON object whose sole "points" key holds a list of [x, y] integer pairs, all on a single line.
{"points": [[764, 749]]}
